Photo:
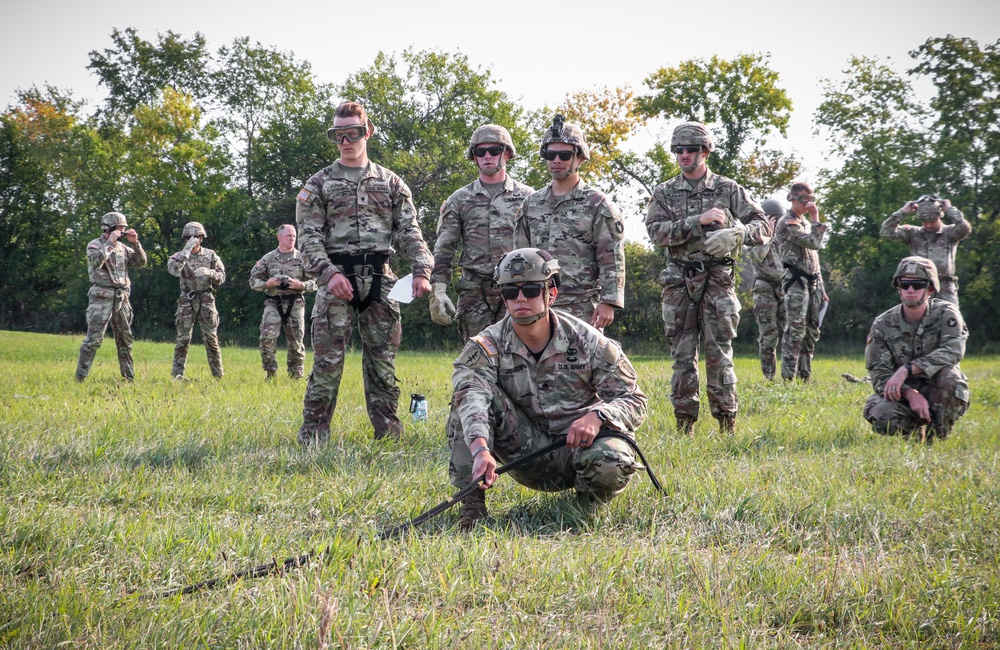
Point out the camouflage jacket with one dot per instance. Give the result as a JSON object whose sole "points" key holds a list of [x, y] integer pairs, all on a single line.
{"points": [[108, 264], [799, 240], [183, 265], [673, 212], [483, 227], [579, 371], [335, 216], [938, 247], [936, 342], [582, 229], [277, 263], [766, 263]]}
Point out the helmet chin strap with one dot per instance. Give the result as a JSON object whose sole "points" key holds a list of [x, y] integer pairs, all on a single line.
{"points": [[528, 320]]}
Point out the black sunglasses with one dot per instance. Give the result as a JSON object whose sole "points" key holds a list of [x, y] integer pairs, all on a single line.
{"points": [[912, 284], [530, 290], [495, 150], [686, 149], [548, 154]]}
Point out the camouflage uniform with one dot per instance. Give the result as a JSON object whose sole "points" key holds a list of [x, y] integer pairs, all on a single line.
{"points": [[938, 247], [484, 227], [108, 302], [520, 405], [584, 231], [768, 303], [197, 303], [699, 297], [936, 345], [348, 227], [798, 239], [284, 309]]}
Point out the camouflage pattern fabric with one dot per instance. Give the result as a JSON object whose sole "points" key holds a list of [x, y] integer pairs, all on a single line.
{"points": [[199, 275], [584, 230], [336, 216], [291, 265], [936, 345], [108, 302], [700, 304], [939, 247], [381, 332], [768, 303], [798, 240], [483, 227], [520, 405]]}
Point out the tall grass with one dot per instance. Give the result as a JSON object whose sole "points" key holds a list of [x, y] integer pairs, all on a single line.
{"points": [[802, 530]]}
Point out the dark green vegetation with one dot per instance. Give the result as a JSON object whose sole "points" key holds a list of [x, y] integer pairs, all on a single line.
{"points": [[227, 138], [802, 530]]}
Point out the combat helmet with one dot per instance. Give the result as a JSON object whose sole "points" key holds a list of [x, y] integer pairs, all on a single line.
{"points": [[772, 208], [491, 134], [917, 267], [929, 208], [527, 265], [692, 133], [193, 228], [113, 220], [568, 133]]}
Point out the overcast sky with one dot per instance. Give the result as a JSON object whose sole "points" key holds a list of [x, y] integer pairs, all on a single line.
{"points": [[539, 51]]}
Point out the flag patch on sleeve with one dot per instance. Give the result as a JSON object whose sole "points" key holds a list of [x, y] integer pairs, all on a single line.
{"points": [[304, 196]]}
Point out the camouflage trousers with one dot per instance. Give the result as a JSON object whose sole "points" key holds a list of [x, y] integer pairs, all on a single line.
{"points": [[479, 306], [381, 332], [769, 312], [949, 291], [947, 393], [106, 306], [601, 470], [200, 309], [703, 306], [295, 332], [802, 307]]}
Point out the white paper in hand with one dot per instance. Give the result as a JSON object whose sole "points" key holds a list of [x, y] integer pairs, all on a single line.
{"points": [[402, 291]]}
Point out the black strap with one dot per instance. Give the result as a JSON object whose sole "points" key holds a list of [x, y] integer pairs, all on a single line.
{"points": [[800, 276], [377, 262], [285, 303]]}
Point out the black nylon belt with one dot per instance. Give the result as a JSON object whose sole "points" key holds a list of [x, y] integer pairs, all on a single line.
{"points": [[284, 303], [800, 276], [377, 263], [300, 560]]}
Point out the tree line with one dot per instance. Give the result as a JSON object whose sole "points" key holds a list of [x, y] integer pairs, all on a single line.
{"points": [[227, 137]]}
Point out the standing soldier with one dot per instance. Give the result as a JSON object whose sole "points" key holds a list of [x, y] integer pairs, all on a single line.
{"points": [[537, 375], [798, 240], [934, 240], [200, 271], [701, 219], [480, 218], [281, 274], [108, 262], [349, 214], [580, 226], [768, 296], [913, 356]]}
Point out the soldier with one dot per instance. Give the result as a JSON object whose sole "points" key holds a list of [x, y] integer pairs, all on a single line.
{"points": [[768, 296], [480, 218], [934, 240], [281, 274], [200, 271], [108, 262], [702, 220], [913, 354], [579, 225], [798, 239], [349, 215], [538, 374]]}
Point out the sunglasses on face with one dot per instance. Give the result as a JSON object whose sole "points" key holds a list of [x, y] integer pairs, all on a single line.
{"points": [[493, 151], [686, 149], [549, 154], [530, 290], [913, 284], [352, 133]]}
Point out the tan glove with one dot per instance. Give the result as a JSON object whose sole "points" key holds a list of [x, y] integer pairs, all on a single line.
{"points": [[201, 271], [442, 308], [191, 243], [722, 243]]}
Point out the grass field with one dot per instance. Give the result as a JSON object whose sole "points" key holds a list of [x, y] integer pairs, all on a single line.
{"points": [[802, 530]]}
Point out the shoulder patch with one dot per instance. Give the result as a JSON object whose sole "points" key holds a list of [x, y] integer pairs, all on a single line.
{"points": [[952, 322], [304, 196], [486, 345]]}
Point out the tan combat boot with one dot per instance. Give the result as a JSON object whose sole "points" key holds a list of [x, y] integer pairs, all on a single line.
{"points": [[685, 425], [727, 424], [473, 509]]}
